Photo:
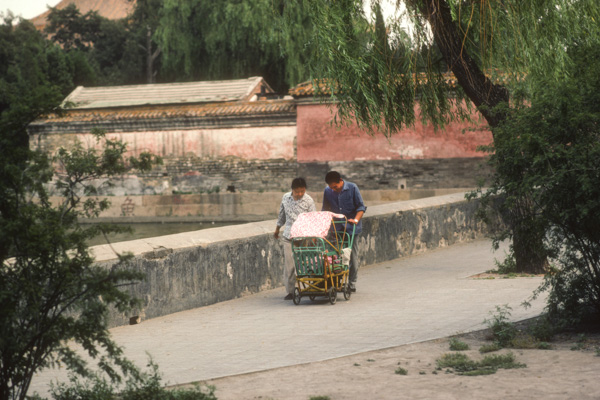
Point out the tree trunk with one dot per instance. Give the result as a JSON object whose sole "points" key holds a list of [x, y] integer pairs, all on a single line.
{"points": [[528, 249], [527, 241], [149, 60]]}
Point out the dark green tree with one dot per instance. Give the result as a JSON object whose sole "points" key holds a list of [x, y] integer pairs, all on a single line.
{"points": [[72, 30], [35, 76], [143, 24], [234, 39], [101, 51], [51, 291], [498, 52], [549, 149]]}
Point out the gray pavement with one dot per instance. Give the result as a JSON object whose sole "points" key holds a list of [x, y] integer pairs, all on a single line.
{"points": [[403, 301]]}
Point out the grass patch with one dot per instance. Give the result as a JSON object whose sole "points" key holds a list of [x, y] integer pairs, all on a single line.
{"points": [[401, 371], [524, 340], [458, 345], [461, 364], [501, 361], [488, 348]]}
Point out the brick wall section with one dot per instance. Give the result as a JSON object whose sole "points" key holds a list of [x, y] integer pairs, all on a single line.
{"points": [[188, 175], [403, 174], [195, 269], [266, 153], [320, 140]]}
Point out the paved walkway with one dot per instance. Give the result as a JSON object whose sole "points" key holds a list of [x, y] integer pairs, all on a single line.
{"points": [[398, 302]]}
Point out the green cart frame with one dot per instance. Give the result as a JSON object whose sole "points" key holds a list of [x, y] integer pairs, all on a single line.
{"points": [[322, 264]]}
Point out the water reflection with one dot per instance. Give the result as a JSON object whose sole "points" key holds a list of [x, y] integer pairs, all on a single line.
{"points": [[145, 230]]}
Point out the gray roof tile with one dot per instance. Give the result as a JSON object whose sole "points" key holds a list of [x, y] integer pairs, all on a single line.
{"points": [[166, 93]]}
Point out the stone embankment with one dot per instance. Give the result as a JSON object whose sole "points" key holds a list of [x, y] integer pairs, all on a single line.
{"points": [[195, 269]]}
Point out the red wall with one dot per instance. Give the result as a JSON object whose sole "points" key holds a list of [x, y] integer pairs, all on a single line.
{"points": [[318, 140]]}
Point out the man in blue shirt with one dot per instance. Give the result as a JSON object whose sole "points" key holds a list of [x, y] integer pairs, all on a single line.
{"points": [[344, 198]]}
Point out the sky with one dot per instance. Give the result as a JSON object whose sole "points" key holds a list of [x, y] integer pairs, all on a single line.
{"points": [[26, 8]]}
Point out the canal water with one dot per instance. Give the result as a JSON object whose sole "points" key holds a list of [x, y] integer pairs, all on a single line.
{"points": [[145, 230]]}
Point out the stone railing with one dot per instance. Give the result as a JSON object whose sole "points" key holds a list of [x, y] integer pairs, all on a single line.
{"points": [[195, 269]]}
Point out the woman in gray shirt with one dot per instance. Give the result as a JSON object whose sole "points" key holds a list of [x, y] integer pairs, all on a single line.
{"points": [[293, 204]]}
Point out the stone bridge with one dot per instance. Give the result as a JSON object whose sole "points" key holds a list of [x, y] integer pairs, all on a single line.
{"points": [[195, 269]]}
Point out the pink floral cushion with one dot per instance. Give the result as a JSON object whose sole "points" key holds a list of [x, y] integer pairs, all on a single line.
{"points": [[313, 224]]}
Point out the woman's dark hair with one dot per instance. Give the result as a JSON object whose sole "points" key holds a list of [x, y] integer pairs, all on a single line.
{"points": [[333, 177], [298, 183]]}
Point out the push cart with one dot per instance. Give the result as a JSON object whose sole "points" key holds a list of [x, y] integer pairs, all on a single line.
{"points": [[321, 246]]}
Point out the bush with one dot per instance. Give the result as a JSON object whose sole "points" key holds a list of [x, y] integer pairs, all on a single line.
{"points": [[547, 152], [463, 365], [457, 345], [143, 387], [543, 329], [503, 331]]}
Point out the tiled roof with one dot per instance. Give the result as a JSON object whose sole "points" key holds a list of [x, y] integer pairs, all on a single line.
{"points": [[166, 93], [214, 110], [111, 9], [307, 89]]}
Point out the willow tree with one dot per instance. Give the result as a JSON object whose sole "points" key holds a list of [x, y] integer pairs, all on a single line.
{"points": [[497, 51], [231, 39]]}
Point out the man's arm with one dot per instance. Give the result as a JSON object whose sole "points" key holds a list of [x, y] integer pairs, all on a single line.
{"points": [[356, 218], [359, 205]]}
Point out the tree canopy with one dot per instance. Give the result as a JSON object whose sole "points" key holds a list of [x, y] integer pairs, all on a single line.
{"points": [[549, 149], [234, 39], [35, 76], [499, 53], [497, 50]]}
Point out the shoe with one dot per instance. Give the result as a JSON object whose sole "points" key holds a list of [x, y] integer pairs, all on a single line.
{"points": [[288, 297], [352, 287]]}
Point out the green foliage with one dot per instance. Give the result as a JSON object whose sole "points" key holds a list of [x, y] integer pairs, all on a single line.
{"points": [[499, 52], [370, 73], [508, 266], [503, 331], [458, 345], [51, 291], [72, 30], [543, 328], [461, 364], [230, 39], [144, 386], [488, 348], [102, 51], [34, 77], [401, 371], [548, 151], [544, 346]]}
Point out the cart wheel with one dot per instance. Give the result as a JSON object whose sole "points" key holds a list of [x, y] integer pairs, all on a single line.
{"points": [[296, 296], [347, 291], [332, 295]]}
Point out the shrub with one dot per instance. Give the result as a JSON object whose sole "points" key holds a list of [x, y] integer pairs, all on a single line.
{"points": [[503, 331], [457, 345]]}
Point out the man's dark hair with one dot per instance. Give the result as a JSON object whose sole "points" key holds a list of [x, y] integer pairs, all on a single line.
{"points": [[333, 177], [298, 183]]}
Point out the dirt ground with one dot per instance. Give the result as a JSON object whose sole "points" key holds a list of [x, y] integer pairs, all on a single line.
{"points": [[569, 370]]}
